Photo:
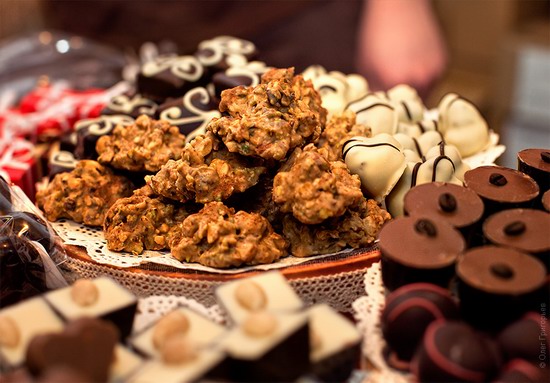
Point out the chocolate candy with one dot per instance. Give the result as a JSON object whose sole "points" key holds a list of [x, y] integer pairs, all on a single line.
{"points": [[190, 113], [68, 142], [169, 76], [546, 201], [418, 249], [133, 105], [222, 52], [521, 339], [86, 344], [455, 352], [246, 75], [519, 370], [525, 230], [30, 226], [61, 162], [501, 188], [408, 312], [375, 112], [21, 268], [90, 130], [5, 197], [498, 285]]}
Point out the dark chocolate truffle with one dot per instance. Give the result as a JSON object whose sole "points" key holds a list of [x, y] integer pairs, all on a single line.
{"points": [[192, 111], [455, 352], [133, 105], [501, 188], [521, 339], [408, 312], [526, 230], [536, 163], [497, 285], [519, 370], [169, 76], [459, 206], [418, 249]]}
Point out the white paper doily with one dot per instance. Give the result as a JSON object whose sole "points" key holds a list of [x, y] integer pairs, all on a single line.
{"points": [[93, 239], [366, 311]]}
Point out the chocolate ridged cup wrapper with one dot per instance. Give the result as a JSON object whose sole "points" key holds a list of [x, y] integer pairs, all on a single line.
{"points": [[455, 204], [419, 249], [526, 230], [502, 188], [497, 285]]}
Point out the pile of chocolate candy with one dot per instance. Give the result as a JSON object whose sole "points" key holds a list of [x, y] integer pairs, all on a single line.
{"points": [[85, 334], [468, 273]]}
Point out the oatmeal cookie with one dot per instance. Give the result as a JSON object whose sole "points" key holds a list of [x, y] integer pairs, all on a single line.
{"points": [[314, 189], [206, 172], [84, 194], [144, 146], [143, 221], [269, 120], [218, 237], [357, 228], [339, 129]]}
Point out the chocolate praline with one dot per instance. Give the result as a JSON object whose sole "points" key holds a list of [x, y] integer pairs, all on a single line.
{"points": [[497, 285], [459, 206], [408, 312], [455, 352], [546, 201], [519, 370], [536, 163], [501, 188], [418, 249], [525, 230], [521, 339]]}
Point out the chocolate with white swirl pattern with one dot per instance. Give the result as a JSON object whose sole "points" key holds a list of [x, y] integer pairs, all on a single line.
{"points": [[133, 105], [222, 52], [89, 130]]}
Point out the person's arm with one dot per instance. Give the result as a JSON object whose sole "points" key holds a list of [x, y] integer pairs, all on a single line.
{"points": [[400, 42]]}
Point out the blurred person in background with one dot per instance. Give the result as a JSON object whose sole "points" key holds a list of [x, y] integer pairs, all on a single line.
{"points": [[387, 41]]}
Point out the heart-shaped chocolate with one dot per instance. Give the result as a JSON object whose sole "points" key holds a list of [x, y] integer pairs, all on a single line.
{"points": [[86, 345], [377, 160], [462, 125]]}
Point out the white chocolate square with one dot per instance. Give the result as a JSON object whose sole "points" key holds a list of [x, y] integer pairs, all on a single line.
{"points": [[32, 317], [157, 371], [202, 332], [281, 297], [112, 297], [240, 345], [335, 332]]}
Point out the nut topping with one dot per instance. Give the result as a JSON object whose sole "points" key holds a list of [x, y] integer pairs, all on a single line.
{"points": [[250, 296], [175, 323], [9, 332], [84, 292], [260, 324]]}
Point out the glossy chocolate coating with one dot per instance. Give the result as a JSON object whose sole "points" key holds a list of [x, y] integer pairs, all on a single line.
{"points": [[497, 285], [519, 370], [521, 338], [525, 230], [501, 188], [133, 105], [61, 162], [546, 201], [455, 352], [408, 312], [418, 249], [536, 163], [90, 130]]}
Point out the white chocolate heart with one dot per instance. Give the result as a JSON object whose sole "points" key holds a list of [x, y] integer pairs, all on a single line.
{"points": [[377, 160]]}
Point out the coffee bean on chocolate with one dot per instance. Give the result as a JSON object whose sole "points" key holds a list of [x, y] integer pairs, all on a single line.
{"points": [[545, 156], [498, 179], [426, 227], [514, 228], [502, 271], [447, 202]]}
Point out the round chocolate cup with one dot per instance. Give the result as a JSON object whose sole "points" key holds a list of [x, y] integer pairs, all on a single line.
{"points": [[546, 201], [497, 285], [501, 188], [418, 249], [536, 164], [459, 206], [526, 230]]}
